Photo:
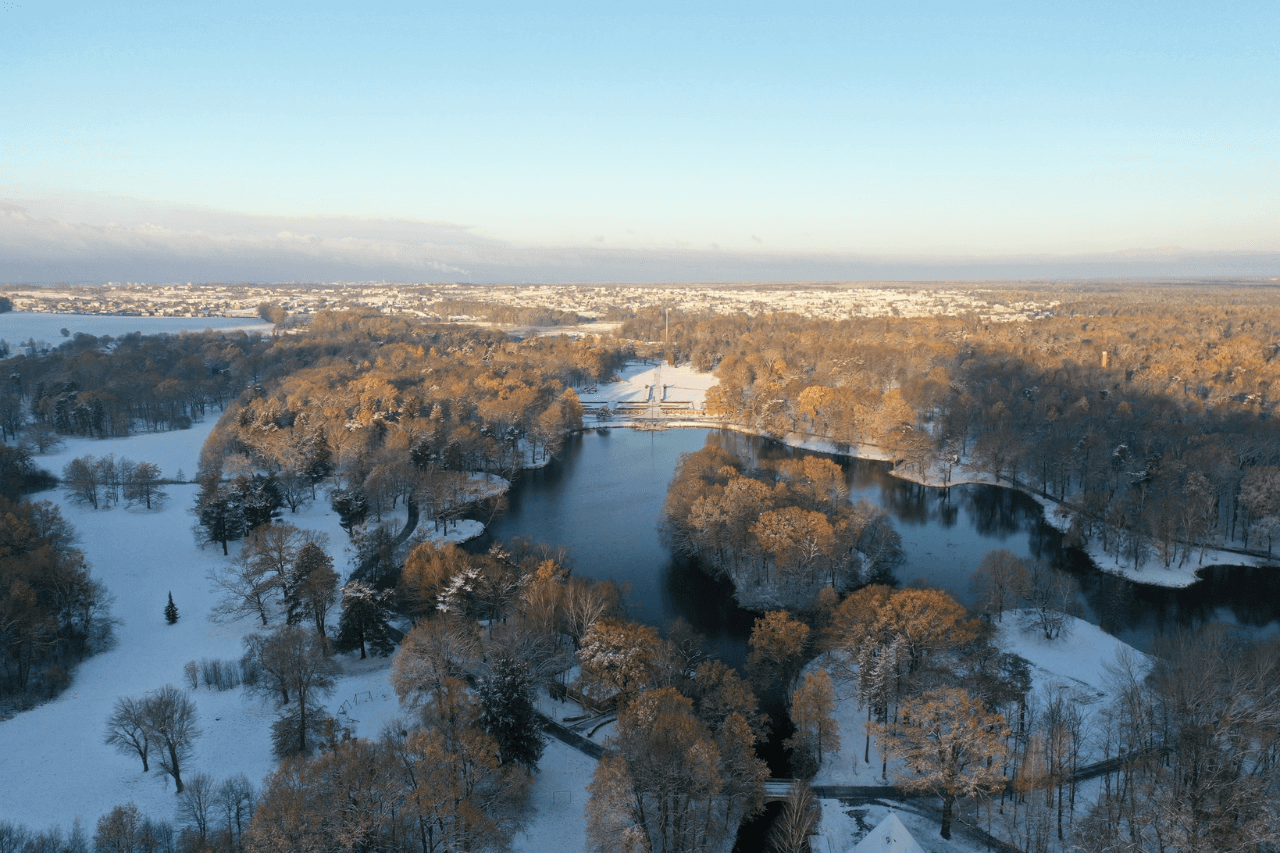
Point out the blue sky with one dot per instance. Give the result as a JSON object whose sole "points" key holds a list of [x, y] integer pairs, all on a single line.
{"points": [[526, 140]]}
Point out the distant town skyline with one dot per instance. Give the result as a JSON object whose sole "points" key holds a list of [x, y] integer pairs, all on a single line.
{"points": [[654, 142]]}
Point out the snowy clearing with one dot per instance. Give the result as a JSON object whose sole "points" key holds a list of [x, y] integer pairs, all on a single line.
{"points": [[56, 766], [683, 385], [173, 451]]}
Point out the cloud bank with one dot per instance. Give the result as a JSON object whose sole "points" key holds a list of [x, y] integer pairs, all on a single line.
{"points": [[96, 240]]}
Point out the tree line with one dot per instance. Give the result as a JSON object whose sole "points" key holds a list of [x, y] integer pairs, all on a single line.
{"points": [[53, 613], [396, 412], [514, 315], [1150, 415], [105, 387]]}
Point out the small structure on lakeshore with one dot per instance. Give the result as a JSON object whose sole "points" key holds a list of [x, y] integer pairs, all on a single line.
{"points": [[889, 836]]}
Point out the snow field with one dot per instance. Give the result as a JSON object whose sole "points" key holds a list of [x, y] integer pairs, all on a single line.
{"points": [[684, 384], [55, 765]]}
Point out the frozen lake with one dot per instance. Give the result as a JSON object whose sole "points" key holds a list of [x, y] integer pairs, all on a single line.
{"points": [[19, 326]]}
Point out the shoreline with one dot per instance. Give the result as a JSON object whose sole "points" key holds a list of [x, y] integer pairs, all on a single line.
{"points": [[1152, 573]]}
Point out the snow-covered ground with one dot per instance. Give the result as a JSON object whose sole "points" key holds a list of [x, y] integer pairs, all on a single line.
{"points": [[842, 827], [175, 451], [1076, 662], [1153, 571], [53, 760], [684, 384], [559, 797]]}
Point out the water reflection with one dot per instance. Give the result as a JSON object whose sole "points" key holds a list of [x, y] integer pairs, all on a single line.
{"points": [[707, 604], [603, 498]]}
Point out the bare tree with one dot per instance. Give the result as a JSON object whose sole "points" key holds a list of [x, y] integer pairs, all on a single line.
{"points": [[235, 801], [170, 717], [196, 806], [127, 729], [1052, 596], [294, 669], [260, 571], [142, 484], [1000, 581], [797, 821], [82, 479], [248, 586]]}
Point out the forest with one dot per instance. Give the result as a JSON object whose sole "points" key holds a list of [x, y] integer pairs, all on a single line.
{"points": [[1149, 418], [1148, 412]]}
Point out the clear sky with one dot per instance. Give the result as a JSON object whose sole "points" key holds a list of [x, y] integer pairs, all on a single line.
{"points": [[526, 140]]}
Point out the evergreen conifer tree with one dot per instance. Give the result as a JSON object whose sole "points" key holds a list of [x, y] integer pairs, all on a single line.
{"points": [[171, 611], [509, 715], [363, 623]]}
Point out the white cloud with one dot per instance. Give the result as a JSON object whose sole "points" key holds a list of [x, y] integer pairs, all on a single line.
{"points": [[94, 239]]}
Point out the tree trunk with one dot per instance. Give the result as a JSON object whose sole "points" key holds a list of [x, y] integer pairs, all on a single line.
{"points": [[173, 762], [948, 800], [866, 749], [302, 724]]}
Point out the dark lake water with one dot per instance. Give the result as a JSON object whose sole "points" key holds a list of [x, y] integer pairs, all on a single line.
{"points": [[603, 497], [602, 501]]}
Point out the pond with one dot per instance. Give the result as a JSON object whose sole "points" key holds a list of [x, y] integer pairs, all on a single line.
{"points": [[603, 498]]}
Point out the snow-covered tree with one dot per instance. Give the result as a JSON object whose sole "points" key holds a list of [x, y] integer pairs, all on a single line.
{"points": [[311, 588], [351, 507], [259, 499], [508, 713], [220, 517], [617, 658], [365, 620]]}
